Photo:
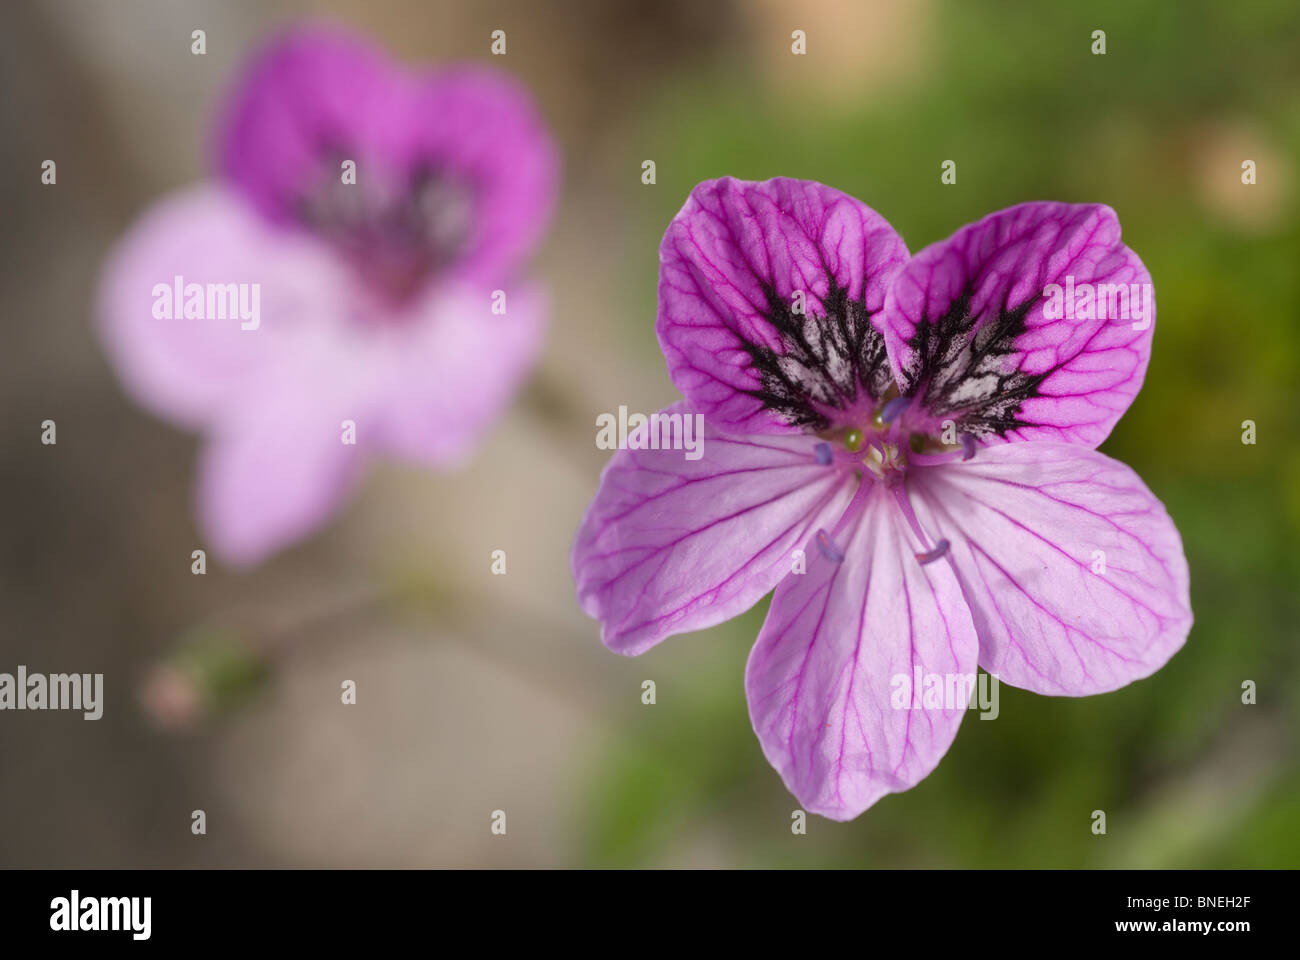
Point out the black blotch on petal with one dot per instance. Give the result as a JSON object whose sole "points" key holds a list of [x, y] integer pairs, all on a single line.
{"points": [[964, 373], [825, 361]]}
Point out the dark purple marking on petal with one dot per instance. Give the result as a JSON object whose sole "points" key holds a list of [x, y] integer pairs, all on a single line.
{"points": [[824, 363], [397, 238], [959, 369], [971, 336], [769, 302], [455, 173]]}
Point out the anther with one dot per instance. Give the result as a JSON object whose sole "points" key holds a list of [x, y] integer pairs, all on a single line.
{"points": [[895, 407], [822, 452], [940, 549], [827, 548]]}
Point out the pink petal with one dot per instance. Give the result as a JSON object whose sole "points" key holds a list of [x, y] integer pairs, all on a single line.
{"points": [[314, 94], [731, 263], [1074, 572], [277, 467], [671, 545], [450, 375], [186, 370], [423, 384], [483, 127], [317, 96], [967, 335], [825, 680]]}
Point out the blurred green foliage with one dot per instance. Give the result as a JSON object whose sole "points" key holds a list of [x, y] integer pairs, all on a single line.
{"points": [[1187, 775]]}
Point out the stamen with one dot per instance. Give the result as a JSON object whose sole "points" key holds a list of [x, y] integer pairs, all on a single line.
{"points": [[828, 549], [968, 448], [908, 513], [940, 549], [855, 504], [823, 453], [895, 407]]}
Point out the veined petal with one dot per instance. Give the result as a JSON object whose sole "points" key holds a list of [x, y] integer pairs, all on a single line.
{"points": [[833, 680], [767, 294], [1073, 570], [967, 327], [671, 544]]}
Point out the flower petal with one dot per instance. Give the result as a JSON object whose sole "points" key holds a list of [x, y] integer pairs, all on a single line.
{"points": [[313, 96], [481, 128], [1074, 572], [451, 373], [187, 369], [467, 136], [968, 337], [671, 544], [277, 466], [831, 679], [741, 344]]}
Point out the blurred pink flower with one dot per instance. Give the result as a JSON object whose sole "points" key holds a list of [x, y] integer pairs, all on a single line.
{"points": [[346, 287]]}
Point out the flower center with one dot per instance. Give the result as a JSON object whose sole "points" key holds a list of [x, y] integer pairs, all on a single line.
{"points": [[881, 451], [396, 233]]}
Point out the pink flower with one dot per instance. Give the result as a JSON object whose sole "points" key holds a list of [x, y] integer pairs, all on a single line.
{"points": [[347, 287], [904, 449]]}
